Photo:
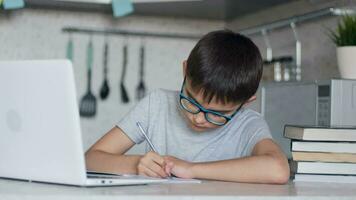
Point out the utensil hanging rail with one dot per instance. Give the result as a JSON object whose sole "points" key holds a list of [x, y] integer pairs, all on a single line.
{"points": [[84, 30], [298, 18]]}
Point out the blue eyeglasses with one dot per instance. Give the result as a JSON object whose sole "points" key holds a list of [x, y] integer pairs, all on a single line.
{"points": [[211, 116]]}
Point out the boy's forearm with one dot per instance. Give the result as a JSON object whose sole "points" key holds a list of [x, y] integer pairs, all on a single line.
{"points": [[254, 169], [105, 162]]}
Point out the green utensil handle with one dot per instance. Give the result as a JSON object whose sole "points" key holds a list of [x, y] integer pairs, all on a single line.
{"points": [[106, 54], [124, 63], [89, 81], [90, 53], [142, 62], [69, 53]]}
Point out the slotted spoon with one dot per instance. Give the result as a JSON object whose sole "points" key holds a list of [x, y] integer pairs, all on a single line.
{"points": [[105, 90], [88, 101], [141, 88], [124, 95]]}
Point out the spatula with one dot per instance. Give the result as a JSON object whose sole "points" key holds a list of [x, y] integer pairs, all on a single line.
{"points": [[88, 101], [105, 90], [141, 88], [124, 96]]}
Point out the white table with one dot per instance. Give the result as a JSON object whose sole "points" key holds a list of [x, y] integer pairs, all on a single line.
{"points": [[20, 190]]}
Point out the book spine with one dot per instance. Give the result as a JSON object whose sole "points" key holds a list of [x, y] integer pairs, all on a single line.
{"points": [[303, 167]]}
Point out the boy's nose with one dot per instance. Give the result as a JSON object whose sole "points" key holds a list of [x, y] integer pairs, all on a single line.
{"points": [[199, 118]]}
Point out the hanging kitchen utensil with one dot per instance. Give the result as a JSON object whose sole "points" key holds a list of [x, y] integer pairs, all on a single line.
{"points": [[282, 68], [298, 51], [287, 66], [105, 90], [141, 89], [88, 101], [268, 64], [124, 95], [275, 68], [70, 49]]}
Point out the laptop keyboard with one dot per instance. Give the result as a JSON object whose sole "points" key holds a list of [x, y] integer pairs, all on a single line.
{"points": [[91, 174]]}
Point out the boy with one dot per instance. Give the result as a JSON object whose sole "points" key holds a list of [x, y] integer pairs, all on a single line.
{"points": [[203, 131]]}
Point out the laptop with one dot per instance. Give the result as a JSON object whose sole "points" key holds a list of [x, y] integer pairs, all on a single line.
{"points": [[40, 134]]}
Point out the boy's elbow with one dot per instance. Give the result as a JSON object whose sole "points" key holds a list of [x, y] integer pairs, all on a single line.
{"points": [[282, 177], [88, 153], [282, 172]]}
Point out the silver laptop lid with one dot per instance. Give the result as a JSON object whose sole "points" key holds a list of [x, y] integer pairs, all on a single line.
{"points": [[40, 136]]}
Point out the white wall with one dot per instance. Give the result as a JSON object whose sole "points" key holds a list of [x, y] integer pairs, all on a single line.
{"points": [[36, 34], [318, 51]]}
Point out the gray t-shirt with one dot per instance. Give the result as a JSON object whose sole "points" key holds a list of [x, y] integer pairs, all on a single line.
{"points": [[161, 115]]}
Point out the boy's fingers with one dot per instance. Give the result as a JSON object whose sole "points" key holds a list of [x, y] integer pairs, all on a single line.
{"points": [[158, 159], [154, 162], [158, 170], [148, 172], [152, 156], [168, 168]]}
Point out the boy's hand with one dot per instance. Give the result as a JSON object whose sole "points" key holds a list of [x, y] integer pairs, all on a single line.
{"points": [[153, 165], [178, 167]]}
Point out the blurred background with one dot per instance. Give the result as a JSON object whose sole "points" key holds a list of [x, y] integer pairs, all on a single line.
{"points": [[291, 33]]}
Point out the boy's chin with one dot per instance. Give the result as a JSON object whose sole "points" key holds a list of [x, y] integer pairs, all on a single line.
{"points": [[199, 129]]}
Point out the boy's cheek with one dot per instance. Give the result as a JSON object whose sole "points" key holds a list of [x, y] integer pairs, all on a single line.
{"points": [[188, 117]]}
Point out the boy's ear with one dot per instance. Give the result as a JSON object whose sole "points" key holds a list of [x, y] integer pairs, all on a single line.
{"points": [[250, 100], [184, 67]]}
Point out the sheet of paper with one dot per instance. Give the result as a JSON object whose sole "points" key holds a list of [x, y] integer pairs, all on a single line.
{"points": [[181, 180], [94, 174]]}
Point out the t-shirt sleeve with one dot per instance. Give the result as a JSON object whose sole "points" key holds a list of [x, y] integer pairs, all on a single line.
{"points": [[140, 113], [258, 130]]}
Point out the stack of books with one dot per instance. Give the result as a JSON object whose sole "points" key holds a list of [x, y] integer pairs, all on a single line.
{"points": [[323, 154]]}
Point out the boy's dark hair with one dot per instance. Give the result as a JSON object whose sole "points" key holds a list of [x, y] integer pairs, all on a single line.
{"points": [[225, 65]]}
